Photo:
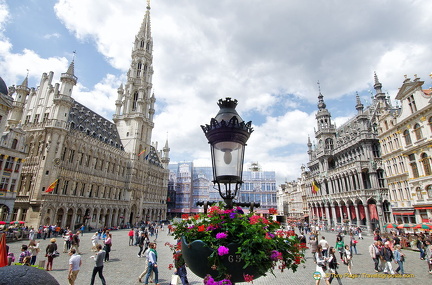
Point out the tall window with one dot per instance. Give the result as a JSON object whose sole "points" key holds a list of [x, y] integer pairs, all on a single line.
{"points": [[17, 165], [412, 104], [329, 144], [407, 137], [65, 187], [139, 67], [419, 193], [380, 174], [134, 102], [45, 117], [417, 131], [14, 144], [426, 164], [413, 166]]}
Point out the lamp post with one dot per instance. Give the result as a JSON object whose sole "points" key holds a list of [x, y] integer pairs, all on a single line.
{"points": [[227, 135]]}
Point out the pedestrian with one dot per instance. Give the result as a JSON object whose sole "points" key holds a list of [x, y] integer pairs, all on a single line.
{"points": [[375, 255], [76, 241], [321, 265], [24, 253], [399, 258], [75, 263], [340, 246], [428, 254], [31, 233], [143, 240], [82, 229], [34, 249], [333, 266], [388, 257], [180, 265], [348, 258], [152, 265], [49, 252], [353, 244], [313, 247], [95, 241], [324, 245], [359, 230], [420, 247], [107, 247], [99, 260], [144, 273], [131, 236]]}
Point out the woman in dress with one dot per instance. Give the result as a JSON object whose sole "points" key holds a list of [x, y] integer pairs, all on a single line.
{"points": [[95, 241], [340, 246], [50, 249]]}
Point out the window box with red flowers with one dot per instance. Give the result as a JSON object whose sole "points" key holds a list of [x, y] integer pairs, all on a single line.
{"points": [[8, 169], [226, 244]]}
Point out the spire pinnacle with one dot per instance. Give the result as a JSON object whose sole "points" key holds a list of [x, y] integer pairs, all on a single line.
{"points": [[148, 4]]}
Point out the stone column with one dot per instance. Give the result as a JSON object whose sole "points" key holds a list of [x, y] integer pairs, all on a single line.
{"points": [[368, 222], [334, 217], [380, 215], [357, 214], [349, 214]]}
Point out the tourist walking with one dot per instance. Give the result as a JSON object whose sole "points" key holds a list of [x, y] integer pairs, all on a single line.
{"points": [[34, 249], [74, 265], [108, 245], [387, 254], [313, 243], [353, 244], [76, 241], [333, 266], [131, 236], [152, 264], [144, 273], [321, 265], [399, 258], [324, 245], [340, 245], [49, 253], [142, 242], [428, 254], [99, 260], [374, 253], [95, 241], [348, 258]]}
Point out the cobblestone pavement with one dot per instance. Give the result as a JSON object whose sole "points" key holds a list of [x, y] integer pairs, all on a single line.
{"points": [[125, 267]]}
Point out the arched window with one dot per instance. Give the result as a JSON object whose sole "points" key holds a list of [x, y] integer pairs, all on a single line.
{"points": [[419, 193], [429, 191], [407, 137], [426, 164], [148, 46], [417, 131], [142, 44], [134, 102]]}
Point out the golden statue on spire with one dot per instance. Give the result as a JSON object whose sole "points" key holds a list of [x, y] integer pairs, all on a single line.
{"points": [[148, 4]]}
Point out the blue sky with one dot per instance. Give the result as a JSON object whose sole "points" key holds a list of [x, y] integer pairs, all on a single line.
{"points": [[269, 55]]}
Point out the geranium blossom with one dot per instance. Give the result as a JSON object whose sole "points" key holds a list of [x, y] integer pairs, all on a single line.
{"points": [[248, 278], [201, 228], [221, 235], [222, 250], [276, 255], [272, 211]]}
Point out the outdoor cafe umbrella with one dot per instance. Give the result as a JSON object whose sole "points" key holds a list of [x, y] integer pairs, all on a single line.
{"points": [[401, 226], [3, 251], [2, 223], [423, 226], [391, 226]]}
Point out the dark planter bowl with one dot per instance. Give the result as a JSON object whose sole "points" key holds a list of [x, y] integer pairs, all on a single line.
{"points": [[196, 256]]}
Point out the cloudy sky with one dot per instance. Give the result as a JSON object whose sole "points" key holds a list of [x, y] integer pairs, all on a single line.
{"points": [[269, 55]]}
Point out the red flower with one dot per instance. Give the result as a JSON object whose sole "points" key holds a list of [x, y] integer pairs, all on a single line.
{"points": [[196, 217], [185, 216], [248, 278], [272, 211], [170, 266], [201, 228]]}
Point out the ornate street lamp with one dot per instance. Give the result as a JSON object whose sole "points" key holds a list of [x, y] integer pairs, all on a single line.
{"points": [[227, 135]]}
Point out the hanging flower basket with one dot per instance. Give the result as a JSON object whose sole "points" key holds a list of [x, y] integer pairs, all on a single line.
{"points": [[228, 244]]}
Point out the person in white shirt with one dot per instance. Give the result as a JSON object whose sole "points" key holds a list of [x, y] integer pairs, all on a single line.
{"points": [[324, 245], [74, 266]]}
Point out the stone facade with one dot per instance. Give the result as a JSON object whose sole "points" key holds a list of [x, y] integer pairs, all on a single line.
{"points": [[106, 174], [344, 181], [405, 135]]}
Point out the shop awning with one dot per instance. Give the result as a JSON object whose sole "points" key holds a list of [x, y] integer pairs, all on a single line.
{"points": [[422, 208], [403, 213]]}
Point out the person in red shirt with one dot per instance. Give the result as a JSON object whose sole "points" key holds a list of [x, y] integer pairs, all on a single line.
{"points": [[131, 236]]}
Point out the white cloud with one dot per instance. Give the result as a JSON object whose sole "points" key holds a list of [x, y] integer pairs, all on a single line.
{"points": [[250, 50]]}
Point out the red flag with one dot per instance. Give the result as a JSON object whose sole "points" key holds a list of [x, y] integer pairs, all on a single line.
{"points": [[52, 186], [3, 251]]}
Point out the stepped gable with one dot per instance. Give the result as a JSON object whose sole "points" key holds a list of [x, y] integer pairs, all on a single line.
{"points": [[85, 120]]}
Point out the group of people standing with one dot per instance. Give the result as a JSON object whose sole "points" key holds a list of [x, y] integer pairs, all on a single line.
{"points": [[325, 257]]}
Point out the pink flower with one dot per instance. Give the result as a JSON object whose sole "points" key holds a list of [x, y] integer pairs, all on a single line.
{"points": [[222, 250], [221, 235], [276, 255], [248, 278]]}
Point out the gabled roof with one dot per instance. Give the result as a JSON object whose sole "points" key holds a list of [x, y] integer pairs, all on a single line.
{"points": [[85, 120]]}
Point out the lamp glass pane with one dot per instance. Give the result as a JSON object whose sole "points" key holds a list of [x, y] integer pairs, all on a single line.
{"points": [[228, 158]]}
